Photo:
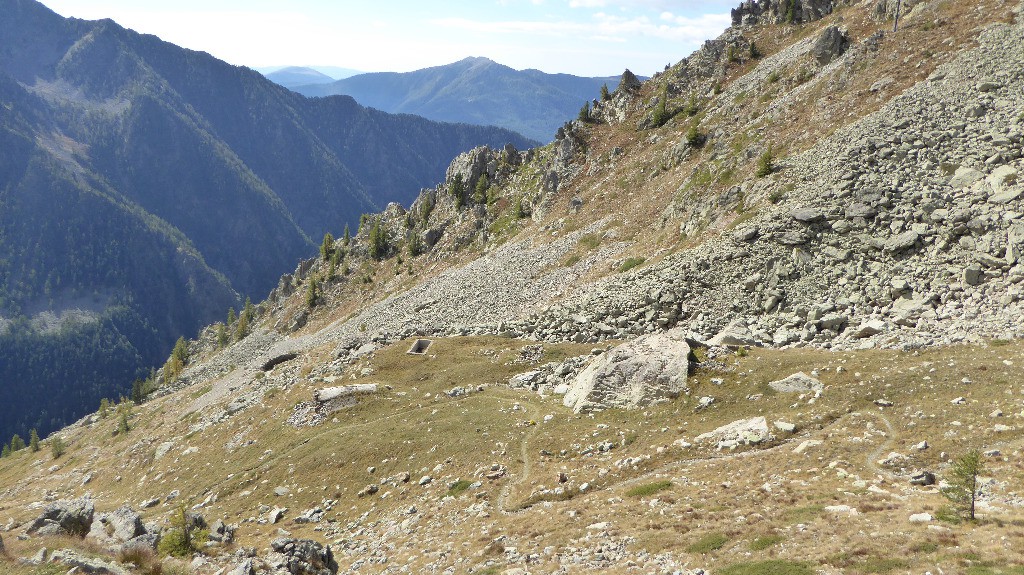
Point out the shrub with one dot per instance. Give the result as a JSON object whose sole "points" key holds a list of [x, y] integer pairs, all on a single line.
{"points": [[661, 113], [765, 163], [708, 543], [693, 136], [649, 488], [184, 537]]}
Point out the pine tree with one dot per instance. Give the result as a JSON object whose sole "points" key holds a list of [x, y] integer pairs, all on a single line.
{"points": [[605, 95], [584, 115], [17, 443], [231, 316], [327, 247], [415, 244], [6, 451], [137, 391], [57, 447], [33, 441], [348, 236], [222, 335], [661, 115], [249, 311], [311, 293], [962, 488], [458, 190], [122, 424], [242, 329], [483, 183], [378, 241], [104, 408]]}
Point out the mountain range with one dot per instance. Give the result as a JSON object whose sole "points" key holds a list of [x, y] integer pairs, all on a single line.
{"points": [[145, 188], [475, 91], [293, 76]]}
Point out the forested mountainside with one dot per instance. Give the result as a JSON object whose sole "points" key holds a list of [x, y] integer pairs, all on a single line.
{"points": [[476, 91], [145, 188]]}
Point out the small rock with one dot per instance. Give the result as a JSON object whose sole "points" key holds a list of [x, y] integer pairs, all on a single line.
{"points": [[925, 478]]}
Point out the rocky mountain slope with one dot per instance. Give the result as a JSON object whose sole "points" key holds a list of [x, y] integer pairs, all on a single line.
{"points": [[143, 187], [475, 91], [742, 321]]}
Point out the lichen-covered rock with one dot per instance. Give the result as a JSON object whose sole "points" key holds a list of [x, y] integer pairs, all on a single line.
{"points": [[634, 374], [120, 525], [70, 517]]}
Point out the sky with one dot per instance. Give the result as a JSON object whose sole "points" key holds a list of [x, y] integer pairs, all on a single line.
{"points": [[581, 37]]}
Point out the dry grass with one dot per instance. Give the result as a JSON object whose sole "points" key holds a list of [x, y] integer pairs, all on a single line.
{"points": [[414, 426]]}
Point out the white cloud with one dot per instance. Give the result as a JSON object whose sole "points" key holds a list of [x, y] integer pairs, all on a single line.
{"points": [[587, 3]]}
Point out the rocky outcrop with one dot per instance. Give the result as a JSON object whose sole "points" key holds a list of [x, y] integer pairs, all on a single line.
{"points": [[70, 517], [118, 526], [634, 374], [84, 564], [781, 11], [831, 43], [303, 557]]}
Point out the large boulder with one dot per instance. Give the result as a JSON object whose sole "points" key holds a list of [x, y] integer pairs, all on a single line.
{"points": [[634, 374], [831, 44], [69, 517], [741, 432], [305, 557], [120, 525]]}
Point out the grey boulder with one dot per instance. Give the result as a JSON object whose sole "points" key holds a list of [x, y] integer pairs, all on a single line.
{"points": [[69, 517], [634, 374]]}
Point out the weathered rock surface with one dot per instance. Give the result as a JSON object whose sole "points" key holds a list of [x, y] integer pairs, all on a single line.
{"points": [[740, 432], [633, 374], [70, 517], [799, 382], [84, 564], [117, 526], [304, 557]]}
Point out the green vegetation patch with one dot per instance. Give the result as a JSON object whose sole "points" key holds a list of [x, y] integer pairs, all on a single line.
{"points": [[770, 567], [459, 487], [630, 263], [762, 543], [708, 543], [649, 488]]}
